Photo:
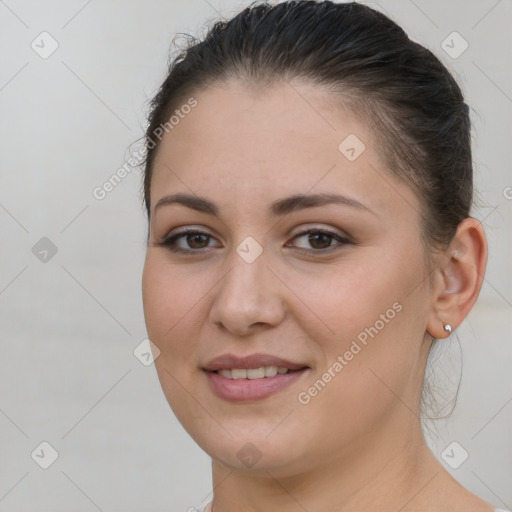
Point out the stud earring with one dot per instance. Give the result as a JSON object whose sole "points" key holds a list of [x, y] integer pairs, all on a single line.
{"points": [[448, 329]]}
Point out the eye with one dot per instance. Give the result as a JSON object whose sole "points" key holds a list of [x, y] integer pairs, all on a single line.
{"points": [[195, 241], [321, 240], [193, 238]]}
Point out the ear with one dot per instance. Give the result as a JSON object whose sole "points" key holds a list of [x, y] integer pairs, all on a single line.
{"points": [[458, 278]]}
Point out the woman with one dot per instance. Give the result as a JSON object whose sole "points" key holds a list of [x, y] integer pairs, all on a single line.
{"points": [[308, 186]]}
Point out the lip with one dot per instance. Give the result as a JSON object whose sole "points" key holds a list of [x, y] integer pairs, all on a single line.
{"points": [[230, 361], [247, 390]]}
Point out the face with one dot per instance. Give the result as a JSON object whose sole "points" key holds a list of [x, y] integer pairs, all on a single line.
{"points": [[332, 293]]}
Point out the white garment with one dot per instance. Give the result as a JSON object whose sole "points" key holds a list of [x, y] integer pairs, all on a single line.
{"points": [[207, 508]]}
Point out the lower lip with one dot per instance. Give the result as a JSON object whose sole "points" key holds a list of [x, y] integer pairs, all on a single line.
{"points": [[244, 390]]}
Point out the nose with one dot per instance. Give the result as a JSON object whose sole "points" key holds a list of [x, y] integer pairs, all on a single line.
{"points": [[249, 297]]}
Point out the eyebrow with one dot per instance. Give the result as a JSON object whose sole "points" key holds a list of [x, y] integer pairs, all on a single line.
{"points": [[278, 208]]}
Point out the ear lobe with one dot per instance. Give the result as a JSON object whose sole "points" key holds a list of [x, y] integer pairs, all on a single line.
{"points": [[461, 273]]}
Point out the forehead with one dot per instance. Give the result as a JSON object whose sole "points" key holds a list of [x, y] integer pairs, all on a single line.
{"points": [[260, 143]]}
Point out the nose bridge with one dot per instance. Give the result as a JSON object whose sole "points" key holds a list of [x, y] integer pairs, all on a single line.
{"points": [[246, 282], [249, 293]]}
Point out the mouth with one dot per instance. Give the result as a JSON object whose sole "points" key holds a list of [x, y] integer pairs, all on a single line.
{"points": [[253, 373], [251, 378]]}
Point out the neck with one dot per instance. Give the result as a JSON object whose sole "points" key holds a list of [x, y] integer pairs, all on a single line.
{"points": [[393, 468]]}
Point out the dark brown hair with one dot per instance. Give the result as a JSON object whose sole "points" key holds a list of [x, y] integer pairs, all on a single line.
{"points": [[406, 95]]}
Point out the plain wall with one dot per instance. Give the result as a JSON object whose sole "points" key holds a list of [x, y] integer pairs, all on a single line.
{"points": [[69, 325]]}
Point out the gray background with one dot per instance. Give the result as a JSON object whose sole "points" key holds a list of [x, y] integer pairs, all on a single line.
{"points": [[70, 323]]}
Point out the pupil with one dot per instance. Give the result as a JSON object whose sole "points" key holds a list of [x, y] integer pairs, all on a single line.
{"points": [[192, 239], [314, 238]]}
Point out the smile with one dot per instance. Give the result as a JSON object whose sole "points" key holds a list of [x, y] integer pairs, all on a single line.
{"points": [[253, 373]]}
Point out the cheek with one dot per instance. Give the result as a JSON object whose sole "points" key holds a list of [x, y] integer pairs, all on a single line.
{"points": [[357, 389], [371, 348], [170, 301], [170, 304], [345, 300]]}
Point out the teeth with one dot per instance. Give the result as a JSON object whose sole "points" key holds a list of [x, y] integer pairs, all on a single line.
{"points": [[270, 371], [238, 374], [252, 373], [256, 373]]}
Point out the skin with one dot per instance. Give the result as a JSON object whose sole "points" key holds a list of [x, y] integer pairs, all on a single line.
{"points": [[358, 442]]}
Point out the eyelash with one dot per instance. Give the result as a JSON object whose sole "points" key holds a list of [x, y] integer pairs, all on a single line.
{"points": [[170, 242]]}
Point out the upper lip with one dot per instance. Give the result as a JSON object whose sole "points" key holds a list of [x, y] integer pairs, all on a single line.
{"points": [[230, 361]]}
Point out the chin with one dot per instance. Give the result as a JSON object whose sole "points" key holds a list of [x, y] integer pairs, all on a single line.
{"points": [[246, 450]]}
